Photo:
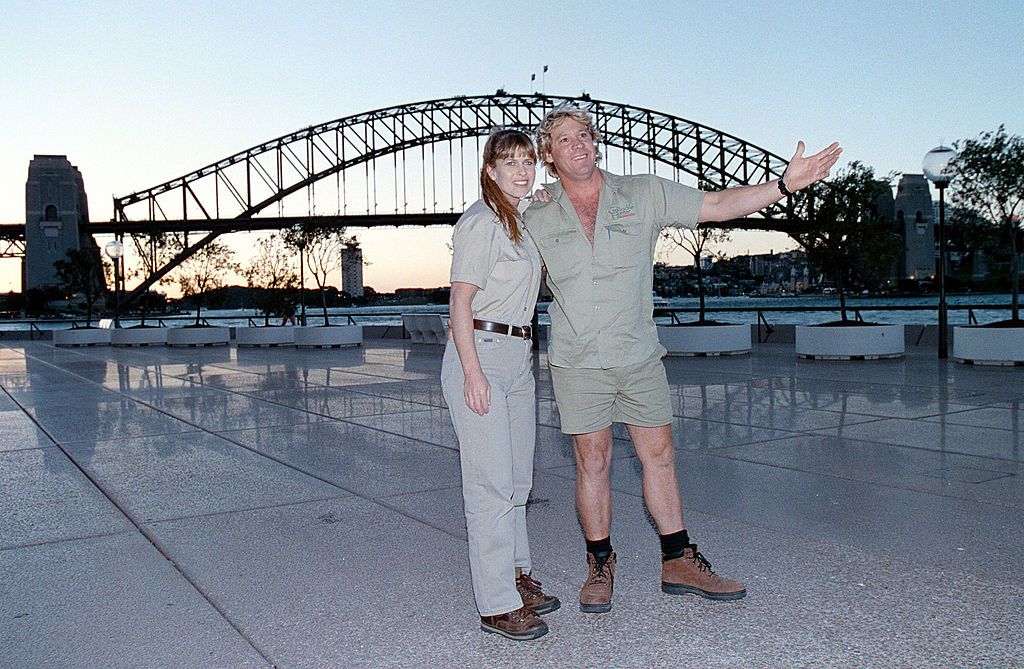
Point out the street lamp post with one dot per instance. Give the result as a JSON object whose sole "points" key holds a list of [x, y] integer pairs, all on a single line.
{"points": [[301, 245], [936, 168], [114, 251], [302, 285]]}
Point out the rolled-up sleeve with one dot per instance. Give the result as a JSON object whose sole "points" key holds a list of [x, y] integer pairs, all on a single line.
{"points": [[675, 205], [475, 252]]}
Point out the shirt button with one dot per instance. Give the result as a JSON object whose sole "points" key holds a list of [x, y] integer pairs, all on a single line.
{"points": [[595, 282], [596, 307]]}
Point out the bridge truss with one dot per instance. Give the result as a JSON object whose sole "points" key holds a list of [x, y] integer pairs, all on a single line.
{"points": [[12, 244], [418, 163]]}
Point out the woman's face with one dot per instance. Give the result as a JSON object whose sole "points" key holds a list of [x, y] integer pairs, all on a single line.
{"points": [[514, 176]]}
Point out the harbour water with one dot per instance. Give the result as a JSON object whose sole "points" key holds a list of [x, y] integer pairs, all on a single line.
{"points": [[775, 310]]}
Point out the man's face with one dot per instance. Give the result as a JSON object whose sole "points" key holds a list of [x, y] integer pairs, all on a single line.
{"points": [[572, 150]]}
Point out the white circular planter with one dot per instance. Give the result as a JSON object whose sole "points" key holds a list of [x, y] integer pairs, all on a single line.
{"points": [[203, 336], [705, 340], [81, 337], [265, 336], [329, 336], [141, 336], [849, 342], [975, 345]]}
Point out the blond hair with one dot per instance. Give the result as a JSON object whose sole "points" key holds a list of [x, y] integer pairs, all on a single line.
{"points": [[551, 120]]}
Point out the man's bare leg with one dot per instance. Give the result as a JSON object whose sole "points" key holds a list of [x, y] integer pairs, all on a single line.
{"points": [[661, 487], [684, 571], [594, 504], [593, 489]]}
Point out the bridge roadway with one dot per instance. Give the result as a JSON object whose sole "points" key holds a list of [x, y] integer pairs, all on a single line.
{"points": [[224, 225], [16, 231]]}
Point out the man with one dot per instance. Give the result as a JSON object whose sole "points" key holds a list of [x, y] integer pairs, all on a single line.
{"points": [[597, 235]]}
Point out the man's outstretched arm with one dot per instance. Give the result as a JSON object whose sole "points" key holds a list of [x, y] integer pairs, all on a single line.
{"points": [[744, 200]]}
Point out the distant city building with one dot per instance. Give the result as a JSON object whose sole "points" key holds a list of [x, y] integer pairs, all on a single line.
{"points": [[914, 219], [55, 207], [781, 272], [352, 270], [673, 280]]}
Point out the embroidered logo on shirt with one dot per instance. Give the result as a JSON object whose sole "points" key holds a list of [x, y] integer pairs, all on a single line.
{"points": [[619, 213]]}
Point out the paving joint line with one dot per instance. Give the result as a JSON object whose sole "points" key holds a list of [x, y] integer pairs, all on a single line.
{"points": [[428, 407], [50, 542], [261, 507], [149, 536], [265, 455], [879, 484]]}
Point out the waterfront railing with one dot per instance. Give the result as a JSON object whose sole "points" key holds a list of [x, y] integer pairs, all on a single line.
{"points": [[857, 311], [761, 315]]}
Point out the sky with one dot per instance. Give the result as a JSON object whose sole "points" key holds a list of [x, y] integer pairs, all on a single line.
{"points": [[137, 93]]}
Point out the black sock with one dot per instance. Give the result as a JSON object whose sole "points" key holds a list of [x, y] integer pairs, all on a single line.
{"points": [[601, 548], [673, 545]]}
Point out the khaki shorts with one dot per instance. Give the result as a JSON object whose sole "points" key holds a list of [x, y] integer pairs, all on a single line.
{"points": [[590, 400]]}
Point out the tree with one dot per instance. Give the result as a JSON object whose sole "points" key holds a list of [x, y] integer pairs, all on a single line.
{"points": [[153, 250], [271, 270], [320, 246], [990, 181], [846, 239], [694, 241], [83, 271], [204, 271]]}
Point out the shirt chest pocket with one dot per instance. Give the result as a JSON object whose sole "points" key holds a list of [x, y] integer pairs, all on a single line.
{"points": [[565, 253], [509, 254], [627, 245], [512, 265]]}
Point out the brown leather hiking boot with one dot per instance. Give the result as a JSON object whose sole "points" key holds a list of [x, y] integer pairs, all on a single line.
{"points": [[520, 625], [596, 593], [690, 573], [534, 598]]}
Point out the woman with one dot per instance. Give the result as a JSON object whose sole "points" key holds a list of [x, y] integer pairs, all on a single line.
{"points": [[487, 378]]}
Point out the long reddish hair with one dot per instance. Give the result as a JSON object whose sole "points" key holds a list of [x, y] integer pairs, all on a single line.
{"points": [[504, 143]]}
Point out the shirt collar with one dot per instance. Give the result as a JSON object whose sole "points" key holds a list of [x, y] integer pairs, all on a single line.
{"points": [[613, 181]]}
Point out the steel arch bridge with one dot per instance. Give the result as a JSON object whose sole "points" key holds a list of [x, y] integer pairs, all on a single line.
{"points": [[242, 191]]}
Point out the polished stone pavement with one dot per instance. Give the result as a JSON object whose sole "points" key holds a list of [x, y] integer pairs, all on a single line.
{"points": [[294, 508]]}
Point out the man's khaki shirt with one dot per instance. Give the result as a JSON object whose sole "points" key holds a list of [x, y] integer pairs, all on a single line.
{"points": [[602, 314]]}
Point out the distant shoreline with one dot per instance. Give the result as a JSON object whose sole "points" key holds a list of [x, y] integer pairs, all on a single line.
{"points": [[741, 310]]}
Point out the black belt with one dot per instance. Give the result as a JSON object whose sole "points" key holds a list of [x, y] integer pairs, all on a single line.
{"points": [[525, 332]]}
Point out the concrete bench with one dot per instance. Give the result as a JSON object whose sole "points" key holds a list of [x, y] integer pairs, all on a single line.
{"points": [[328, 336], [426, 328], [412, 327], [272, 335], [198, 336], [82, 337]]}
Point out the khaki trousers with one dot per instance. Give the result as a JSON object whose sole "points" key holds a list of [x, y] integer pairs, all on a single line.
{"points": [[496, 451]]}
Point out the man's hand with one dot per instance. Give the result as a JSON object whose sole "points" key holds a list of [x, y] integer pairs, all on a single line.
{"points": [[803, 171], [477, 392]]}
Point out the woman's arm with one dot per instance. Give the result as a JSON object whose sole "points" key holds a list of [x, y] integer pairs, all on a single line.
{"points": [[476, 388]]}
